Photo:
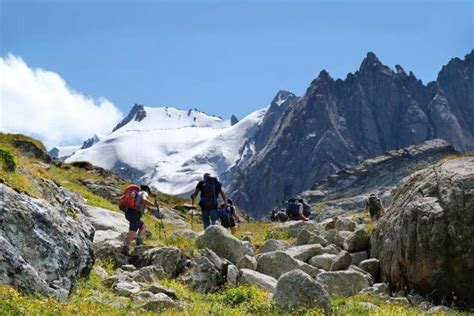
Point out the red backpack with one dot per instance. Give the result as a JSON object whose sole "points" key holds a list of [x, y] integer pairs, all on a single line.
{"points": [[128, 200]]}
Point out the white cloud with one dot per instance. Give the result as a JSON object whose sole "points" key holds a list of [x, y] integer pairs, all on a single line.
{"points": [[38, 103]]}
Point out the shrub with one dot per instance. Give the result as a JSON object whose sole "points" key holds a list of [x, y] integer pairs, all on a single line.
{"points": [[8, 160]]}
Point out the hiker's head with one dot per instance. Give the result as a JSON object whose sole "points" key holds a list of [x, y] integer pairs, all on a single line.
{"points": [[206, 176], [145, 188], [230, 202]]}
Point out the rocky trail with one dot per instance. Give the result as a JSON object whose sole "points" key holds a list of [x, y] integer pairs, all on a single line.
{"points": [[416, 259]]}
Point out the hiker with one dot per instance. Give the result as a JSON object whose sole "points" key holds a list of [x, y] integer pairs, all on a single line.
{"points": [[210, 189], [228, 215], [133, 203], [374, 207], [306, 207], [294, 210]]}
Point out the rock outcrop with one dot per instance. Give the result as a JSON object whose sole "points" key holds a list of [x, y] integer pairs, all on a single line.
{"points": [[44, 247], [425, 242], [340, 122], [225, 245], [296, 289]]}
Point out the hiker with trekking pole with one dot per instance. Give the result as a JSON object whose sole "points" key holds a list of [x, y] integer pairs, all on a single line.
{"points": [[133, 202], [209, 189]]}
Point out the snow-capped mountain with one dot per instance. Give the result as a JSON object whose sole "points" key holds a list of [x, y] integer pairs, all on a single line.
{"points": [[170, 149]]}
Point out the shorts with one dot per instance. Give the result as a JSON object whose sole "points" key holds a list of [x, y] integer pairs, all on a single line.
{"points": [[134, 217], [227, 221]]}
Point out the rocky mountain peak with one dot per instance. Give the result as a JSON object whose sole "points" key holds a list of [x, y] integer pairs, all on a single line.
{"points": [[233, 120], [137, 113], [281, 97]]}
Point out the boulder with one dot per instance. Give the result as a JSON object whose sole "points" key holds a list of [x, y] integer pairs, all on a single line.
{"points": [[149, 274], [210, 272], [166, 257], [367, 275], [159, 303], [44, 247], [142, 296], [346, 224], [357, 257], [186, 233], [103, 219], [258, 279], [276, 263], [323, 261], [343, 283], [333, 237], [250, 248], [357, 241], [304, 252], [158, 288], [329, 223], [309, 269], [378, 289], [307, 237], [108, 243], [232, 276], [295, 227], [296, 289], [274, 245], [371, 265], [425, 241], [342, 261], [126, 288], [247, 262], [223, 243]]}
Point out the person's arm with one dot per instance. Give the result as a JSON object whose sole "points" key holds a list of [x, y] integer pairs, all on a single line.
{"points": [[301, 213], [235, 215], [194, 195], [382, 208], [224, 197]]}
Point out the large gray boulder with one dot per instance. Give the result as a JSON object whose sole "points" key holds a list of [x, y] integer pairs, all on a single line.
{"points": [[166, 257], [258, 279], [342, 261], [44, 247], [425, 242], [343, 283], [357, 241], [103, 219], [345, 223], [210, 272], [273, 245], [276, 263], [248, 262], [296, 289], [323, 261], [223, 243]]}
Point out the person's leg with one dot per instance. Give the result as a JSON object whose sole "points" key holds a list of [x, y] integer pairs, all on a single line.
{"points": [[205, 218], [213, 215], [233, 230], [141, 234]]}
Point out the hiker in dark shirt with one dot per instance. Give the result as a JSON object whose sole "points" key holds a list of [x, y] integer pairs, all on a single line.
{"points": [[210, 189], [374, 207]]}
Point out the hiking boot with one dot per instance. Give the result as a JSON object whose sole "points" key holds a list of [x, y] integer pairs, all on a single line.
{"points": [[139, 241], [126, 250]]}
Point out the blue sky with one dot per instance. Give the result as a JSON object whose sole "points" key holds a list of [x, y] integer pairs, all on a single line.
{"points": [[226, 57]]}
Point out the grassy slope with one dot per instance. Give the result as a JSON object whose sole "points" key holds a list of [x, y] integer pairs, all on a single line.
{"points": [[92, 298]]}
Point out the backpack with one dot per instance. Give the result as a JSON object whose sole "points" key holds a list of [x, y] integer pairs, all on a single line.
{"points": [[373, 203], [292, 209], [208, 193], [128, 200]]}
